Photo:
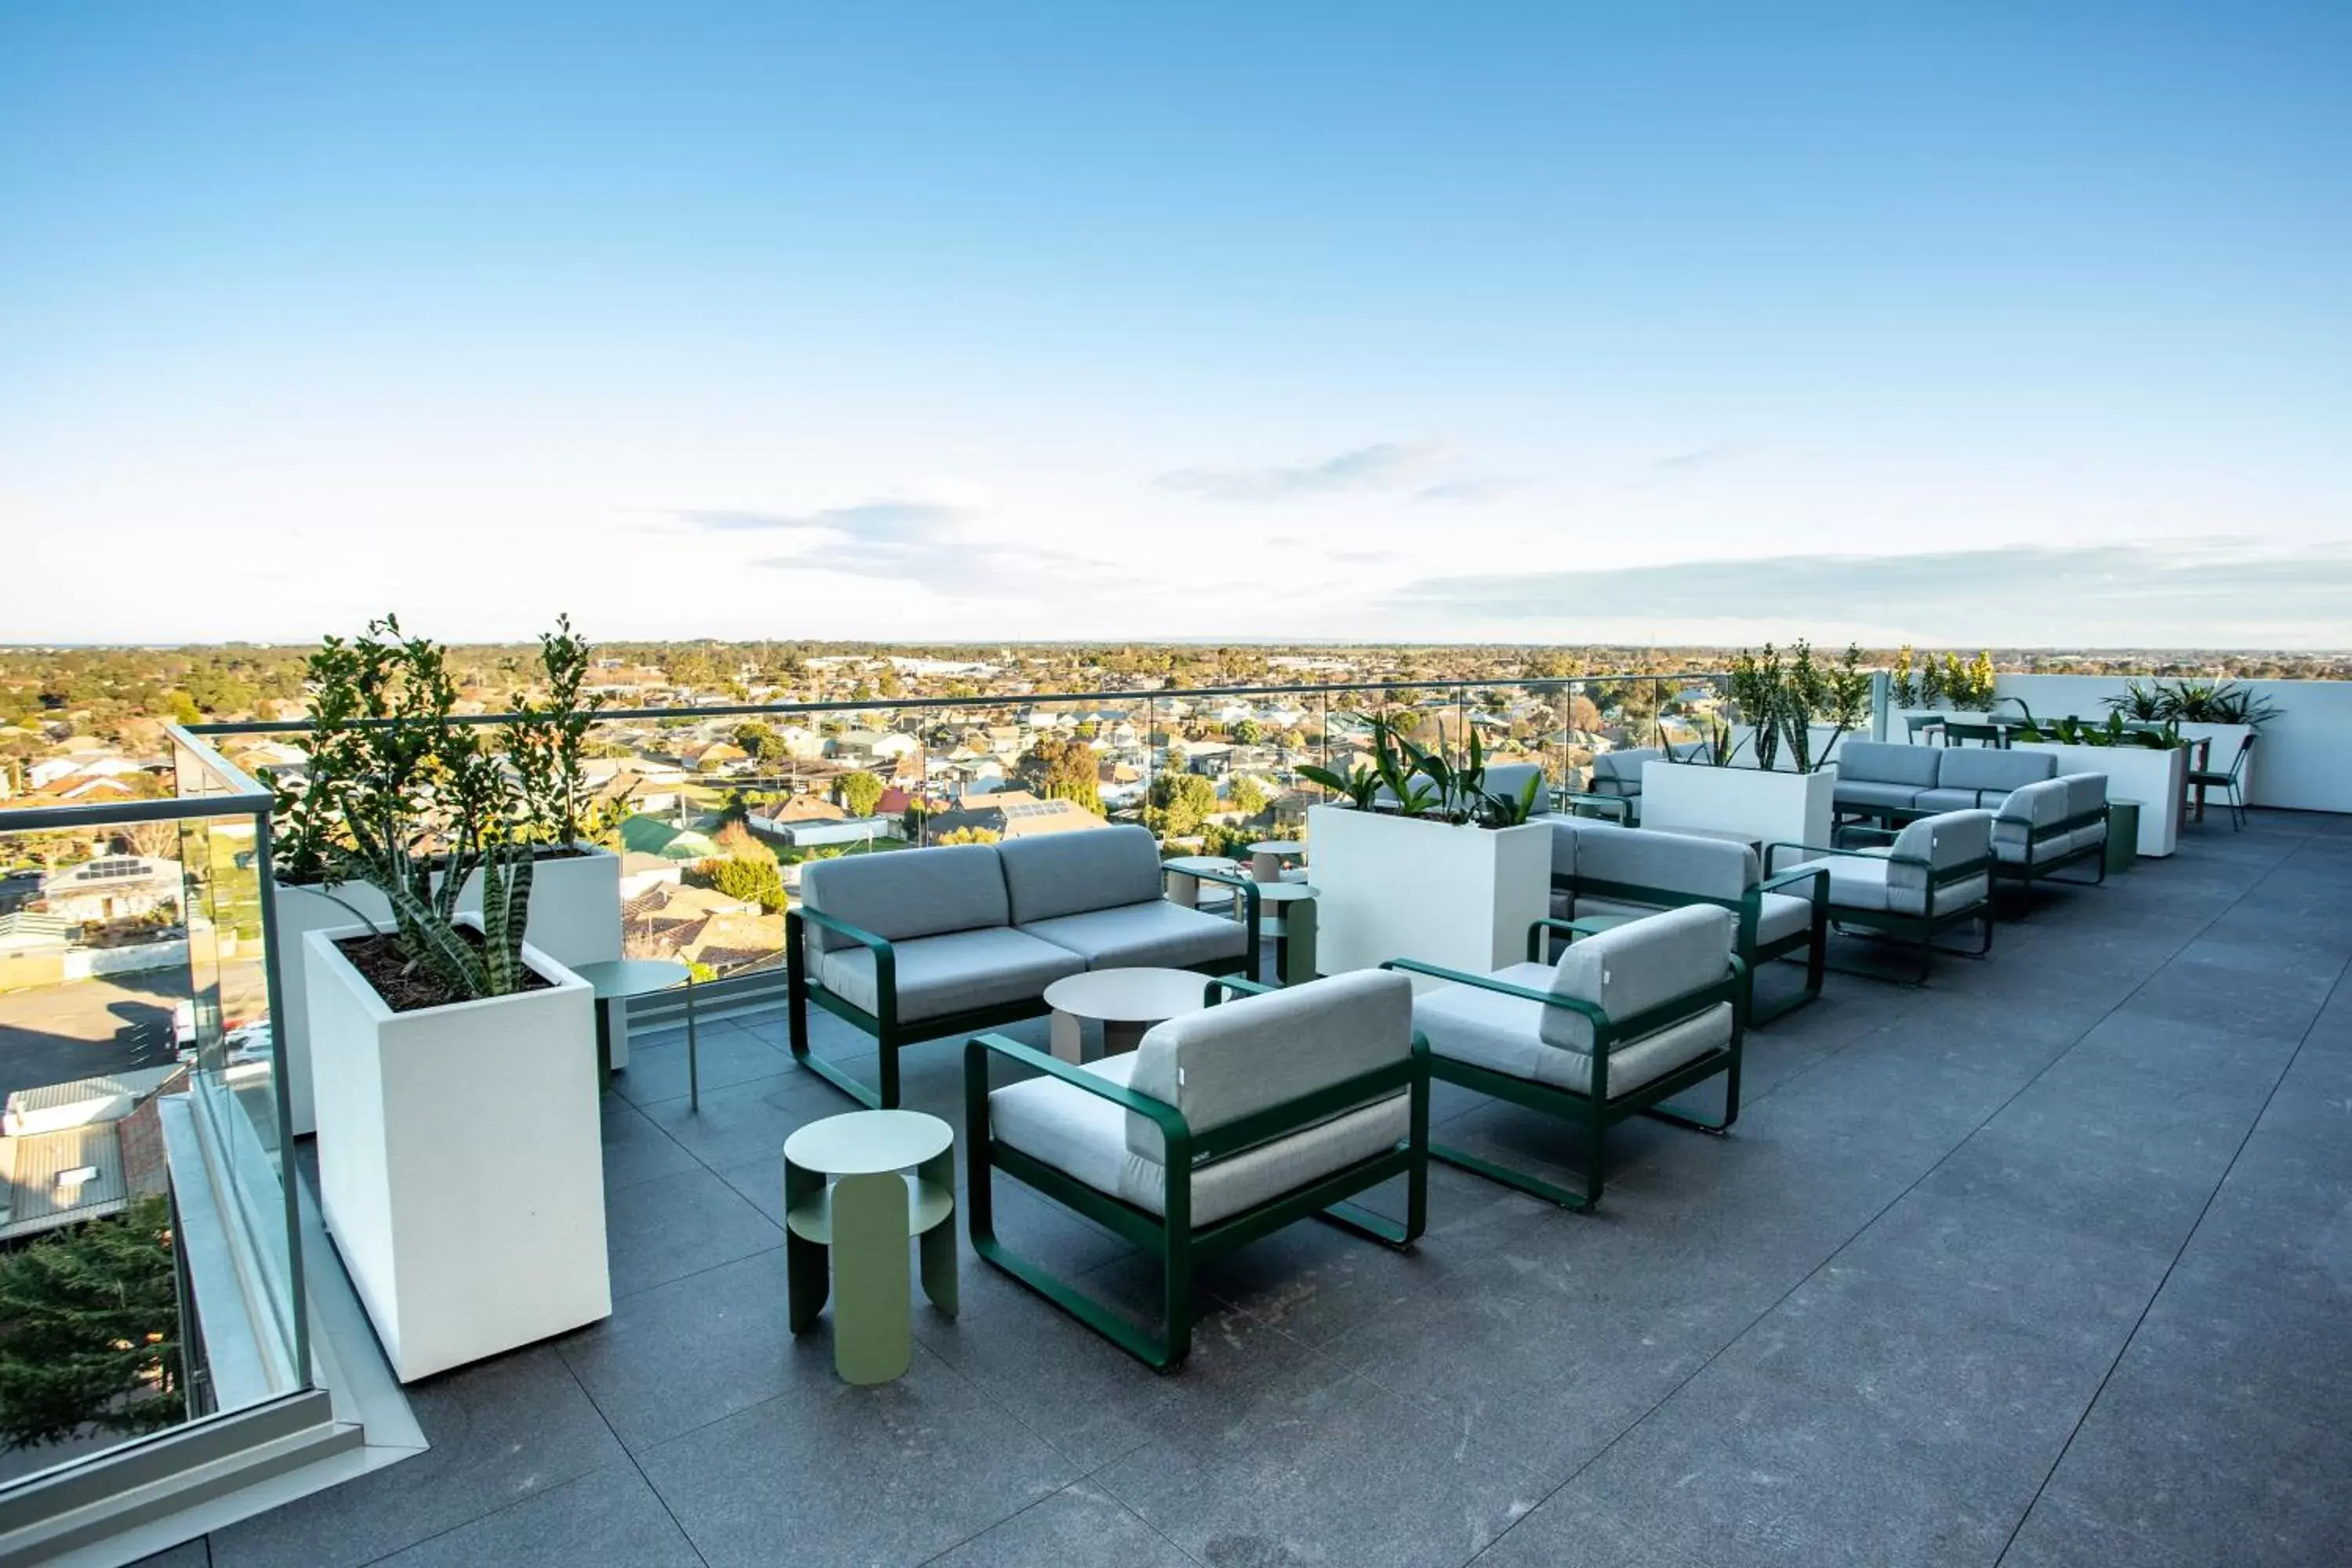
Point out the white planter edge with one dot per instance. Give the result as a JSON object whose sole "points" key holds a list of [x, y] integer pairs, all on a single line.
{"points": [[1450, 894]]}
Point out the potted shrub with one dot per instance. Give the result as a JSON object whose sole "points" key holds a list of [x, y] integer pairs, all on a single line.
{"points": [[2148, 763], [383, 710], [461, 1159], [1424, 860], [1797, 712], [1932, 686], [2220, 714]]}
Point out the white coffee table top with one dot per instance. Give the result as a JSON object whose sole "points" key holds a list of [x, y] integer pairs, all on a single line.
{"points": [[1277, 846], [1200, 863], [1128, 995]]}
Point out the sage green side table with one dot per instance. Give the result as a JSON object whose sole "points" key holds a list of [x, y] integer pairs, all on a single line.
{"points": [[893, 1176], [1292, 904]]}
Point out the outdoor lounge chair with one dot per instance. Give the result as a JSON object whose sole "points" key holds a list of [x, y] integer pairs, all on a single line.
{"points": [[2045, 828], [1603, 869], [1623, 1022], [1934, 875], [2230, 782], [918, 943], [1223, 1126]]}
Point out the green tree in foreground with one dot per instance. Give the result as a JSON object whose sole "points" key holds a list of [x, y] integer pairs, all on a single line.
{"points": [[89, 1330], [860, 794], [1180, 803]]}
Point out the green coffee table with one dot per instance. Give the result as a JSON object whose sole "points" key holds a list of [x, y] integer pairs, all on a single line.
{"points": [[1292, 905], [616, 981], [893, 1177]]}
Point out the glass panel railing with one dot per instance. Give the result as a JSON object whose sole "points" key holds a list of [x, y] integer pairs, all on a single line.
{"points": [[148, 1271]]}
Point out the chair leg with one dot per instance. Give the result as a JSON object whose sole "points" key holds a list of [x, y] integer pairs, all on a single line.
{"points": [[1534, 1186]]}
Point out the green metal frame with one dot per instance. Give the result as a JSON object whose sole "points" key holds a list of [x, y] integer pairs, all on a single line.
{"points": [[2214, 778], [1574, 801], [1170, 1235], [1813, 940], [1595, 1113], [890, 1036], [1919, 930]]}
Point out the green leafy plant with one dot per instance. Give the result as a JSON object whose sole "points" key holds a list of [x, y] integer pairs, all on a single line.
{"points": [[405, 799], [546, 746], [1755, 683], [89, 1330], [2148, 703], [1360, 787], [2221, 703]]}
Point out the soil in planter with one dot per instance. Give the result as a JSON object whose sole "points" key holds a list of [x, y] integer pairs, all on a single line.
{"points": [[405, 989]]}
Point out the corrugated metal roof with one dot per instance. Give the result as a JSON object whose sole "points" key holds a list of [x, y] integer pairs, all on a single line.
{"points": [[33, 1200], [106, 1098]]}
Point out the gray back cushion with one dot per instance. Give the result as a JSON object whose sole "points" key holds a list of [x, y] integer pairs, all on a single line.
{"points": [[2086, 792], [1877, 761], [1947, 839], [1708, 867], [2040, 804], [1061, 874], [1623, 769], [1564, 830], [1637, 967], [907, 893], [1510, 779], [1986, 767], [1226, 1062]]}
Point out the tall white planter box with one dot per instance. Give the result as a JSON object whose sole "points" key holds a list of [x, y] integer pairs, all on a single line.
{"points": [[2153, 778], [298, 912], [1773, 807], [460, 1161], [1398, 887]]}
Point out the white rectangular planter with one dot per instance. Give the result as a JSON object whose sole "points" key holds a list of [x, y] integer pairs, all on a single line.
{"points": [[2134, 773], [298, 912], [460, 1161], [1398, 887], [1773, 807]]}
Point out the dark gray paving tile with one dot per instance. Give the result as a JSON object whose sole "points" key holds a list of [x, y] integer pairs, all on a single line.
{"points": [[610, 1516], [684, 1354], [1078, 1527], [728, 1056], [671, 1226], [500, 1432], [1316, 1464], [1572, 1532], [889, 1475], [2229, 998], [749, 1120], [635, 1149], [2098, 1191], [188, 1554]]}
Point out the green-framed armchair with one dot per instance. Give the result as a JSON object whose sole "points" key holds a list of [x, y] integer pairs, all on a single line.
{"points": [[1913, 885], [2043, 828], [918, 944], [1623, 1023], [1599, 869], [1223, 1126]]}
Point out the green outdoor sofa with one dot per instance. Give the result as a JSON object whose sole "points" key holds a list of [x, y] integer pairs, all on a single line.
{"points": [[1913, 887], [919, 944]]}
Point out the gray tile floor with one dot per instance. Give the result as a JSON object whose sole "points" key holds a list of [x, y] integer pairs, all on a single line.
{"points": [[2048, 1263]]}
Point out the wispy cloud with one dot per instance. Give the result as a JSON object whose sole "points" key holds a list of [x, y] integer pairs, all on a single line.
{"points": [[900, 517], [1692, 461], [1384, 465], [2208, 591], [1477, 489]]}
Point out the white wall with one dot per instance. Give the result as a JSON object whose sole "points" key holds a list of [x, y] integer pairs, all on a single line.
{"points": [[2303, 760]]}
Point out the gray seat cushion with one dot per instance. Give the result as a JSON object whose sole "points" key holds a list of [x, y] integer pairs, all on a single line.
{"points": [[1990, 768], [907, 893], [1881, 762], [952, 972], [1503, 1035], [1869, 796], [1783, 915], [1152, 934], [1070, 873]]}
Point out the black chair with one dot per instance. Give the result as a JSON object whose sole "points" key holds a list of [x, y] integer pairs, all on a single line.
{"points": [[2229, 782]]}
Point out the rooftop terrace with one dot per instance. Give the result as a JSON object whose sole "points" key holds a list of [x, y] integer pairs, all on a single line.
{"points": [[2047, 1263]]}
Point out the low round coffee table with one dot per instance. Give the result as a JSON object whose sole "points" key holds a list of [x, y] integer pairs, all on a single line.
{"points": [[1126, 1001]]}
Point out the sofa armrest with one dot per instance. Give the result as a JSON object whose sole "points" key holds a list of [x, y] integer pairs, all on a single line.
{"points": [[885, 960]]}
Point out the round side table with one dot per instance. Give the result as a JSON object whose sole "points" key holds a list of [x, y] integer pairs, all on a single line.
{"points": [[1269, 858], [1182, 877], [892, 1176], [616, 981], [1292, 905], [1127, 1002]]}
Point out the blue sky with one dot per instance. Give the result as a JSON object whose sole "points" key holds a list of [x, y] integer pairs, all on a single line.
{"points": [[1963, 324]]}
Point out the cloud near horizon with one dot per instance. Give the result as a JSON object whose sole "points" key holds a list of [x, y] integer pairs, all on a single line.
{"points": [[922, 544], [2191, 592], [1381, 466]]}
